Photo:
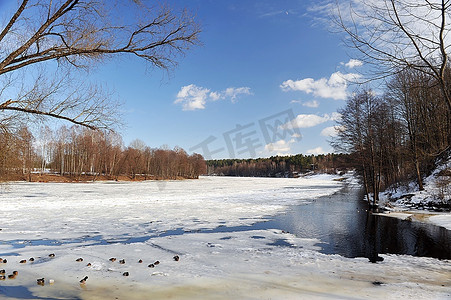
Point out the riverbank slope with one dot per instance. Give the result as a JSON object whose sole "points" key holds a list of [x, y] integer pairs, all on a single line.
{"points": [[431, 205]]}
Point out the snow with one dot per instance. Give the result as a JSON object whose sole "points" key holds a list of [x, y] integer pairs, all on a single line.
{"points": [[443, 220], [158, 220], [437, 189], [438, 219], [397, 215], [435, 186]]}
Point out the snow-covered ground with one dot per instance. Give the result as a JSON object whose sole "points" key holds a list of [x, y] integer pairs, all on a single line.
{"points": [[152, 221], [402, 202]]}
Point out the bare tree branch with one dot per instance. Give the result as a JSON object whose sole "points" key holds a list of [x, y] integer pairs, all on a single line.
{"points": [[13, 20], [77, 35], [394, 35], [38, 112]]}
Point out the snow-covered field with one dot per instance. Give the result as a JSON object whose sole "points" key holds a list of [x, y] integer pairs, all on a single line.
{"points": [[152, 221]]}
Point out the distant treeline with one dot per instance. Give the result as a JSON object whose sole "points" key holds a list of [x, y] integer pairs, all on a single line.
{"points": [[279, 166], [78, 151]]}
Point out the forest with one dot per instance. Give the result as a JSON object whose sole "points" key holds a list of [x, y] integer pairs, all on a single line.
{"points": [[398, 136], [78, 153], [280, 166], [399, 131]]}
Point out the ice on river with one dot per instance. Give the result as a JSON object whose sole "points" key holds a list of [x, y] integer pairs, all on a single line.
{"points": [[443, 220], [204, 223]]}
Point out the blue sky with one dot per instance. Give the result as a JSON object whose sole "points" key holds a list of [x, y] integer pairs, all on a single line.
{"points": [[267, 80], [260, 60]]}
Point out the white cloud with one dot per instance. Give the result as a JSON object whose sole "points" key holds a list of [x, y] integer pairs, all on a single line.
{"points": [[193, 97], [310, 120], [353, 63], [214, 96], [306, 121], [279, 146], [311, 104], [335, 87], [316, 151], [330, 131], [234, 92]]}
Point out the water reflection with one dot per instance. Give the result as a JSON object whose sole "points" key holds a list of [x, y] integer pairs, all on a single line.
{"points": [[345, 227]]}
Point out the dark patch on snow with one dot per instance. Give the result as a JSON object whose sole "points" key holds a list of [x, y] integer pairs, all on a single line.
{"points": [[282, 243], [22, 292]]}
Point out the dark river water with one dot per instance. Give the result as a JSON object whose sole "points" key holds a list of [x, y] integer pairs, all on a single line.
{"points": [[344, 226]]}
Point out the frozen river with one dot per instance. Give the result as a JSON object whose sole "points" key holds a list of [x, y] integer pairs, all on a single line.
{"points": [[344, 226], [212, 225]]}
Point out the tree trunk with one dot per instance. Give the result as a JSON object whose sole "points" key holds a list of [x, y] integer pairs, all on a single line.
{"points": [[420, 181]]}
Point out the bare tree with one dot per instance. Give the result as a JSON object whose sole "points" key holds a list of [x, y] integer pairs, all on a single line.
{"points": [[401, 90], [25, 151], [394, 35], [362, 131], [46, 42]]}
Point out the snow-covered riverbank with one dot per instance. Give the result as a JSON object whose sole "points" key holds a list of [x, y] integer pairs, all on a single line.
{"points": [[407, 202], [155, 221]]}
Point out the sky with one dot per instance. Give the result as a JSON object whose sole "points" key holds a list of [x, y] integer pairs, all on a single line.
{"points": [[267, 80]]}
